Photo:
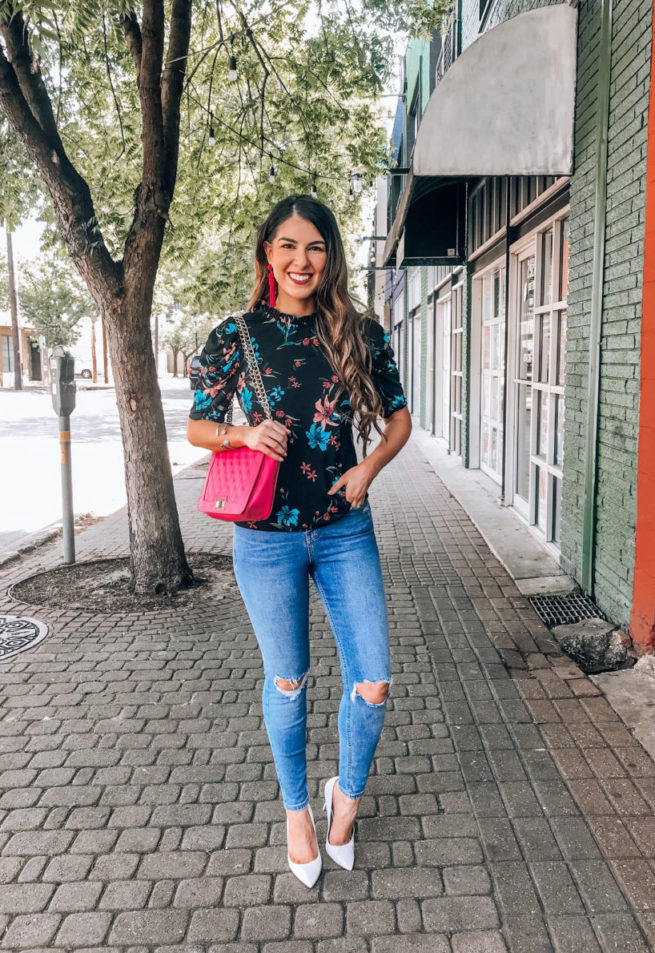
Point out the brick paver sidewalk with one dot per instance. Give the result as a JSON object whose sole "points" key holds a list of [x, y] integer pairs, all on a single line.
{"points": [[508, 807]]}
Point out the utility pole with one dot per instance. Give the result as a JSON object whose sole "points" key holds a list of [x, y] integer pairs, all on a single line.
{"points": [[94, 362], [105, 360], [13, 307]]}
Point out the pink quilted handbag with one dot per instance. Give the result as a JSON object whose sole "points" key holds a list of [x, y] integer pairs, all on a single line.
{"points": [[240, 483]]}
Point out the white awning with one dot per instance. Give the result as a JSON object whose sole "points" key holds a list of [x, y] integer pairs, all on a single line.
{"points": [[506, 105]]}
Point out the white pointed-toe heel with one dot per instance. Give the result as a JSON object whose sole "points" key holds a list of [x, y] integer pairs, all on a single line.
{"points": [[306, 873], [342, 854]]}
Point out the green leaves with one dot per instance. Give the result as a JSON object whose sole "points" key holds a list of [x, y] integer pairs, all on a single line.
{"points": [[21, 189], [308, 75], [54, 299]]}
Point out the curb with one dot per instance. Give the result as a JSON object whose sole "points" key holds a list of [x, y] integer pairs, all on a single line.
{"points": [[32, 542], [42, 536]]}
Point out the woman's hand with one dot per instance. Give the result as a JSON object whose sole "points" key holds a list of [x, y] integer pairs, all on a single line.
{"points": [[356, 481], [270, 437]]}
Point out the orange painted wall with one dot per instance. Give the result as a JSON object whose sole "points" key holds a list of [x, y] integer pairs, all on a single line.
{"points": [[642, 618]]}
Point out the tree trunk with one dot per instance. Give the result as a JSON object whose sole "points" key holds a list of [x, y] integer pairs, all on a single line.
{"points": [[176, 354], [156, 548]]}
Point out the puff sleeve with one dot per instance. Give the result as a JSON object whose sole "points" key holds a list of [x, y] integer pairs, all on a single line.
{"points": [[384, 370], [219, 373]]}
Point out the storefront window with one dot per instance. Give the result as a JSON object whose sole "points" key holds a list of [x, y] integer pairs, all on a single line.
{"points": [[540, 341], [547, 267], [7, 354]]}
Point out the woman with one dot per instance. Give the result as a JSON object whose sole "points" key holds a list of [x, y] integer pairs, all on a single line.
{"points": [[321, 362]]}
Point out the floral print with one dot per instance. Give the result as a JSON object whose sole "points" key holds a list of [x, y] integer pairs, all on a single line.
{"points": [[305, 395], [317, 437]]}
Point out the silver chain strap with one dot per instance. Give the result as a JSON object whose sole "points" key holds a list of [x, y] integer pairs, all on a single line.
{"points": [[256, 377]]}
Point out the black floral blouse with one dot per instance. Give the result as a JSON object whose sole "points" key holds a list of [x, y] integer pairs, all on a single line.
{"points": [[303, 393]]}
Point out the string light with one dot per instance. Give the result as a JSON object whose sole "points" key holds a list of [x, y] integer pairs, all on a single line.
{"points": [[356, 178]]}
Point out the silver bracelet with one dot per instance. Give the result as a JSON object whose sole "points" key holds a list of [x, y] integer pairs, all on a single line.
{"points": [[226, 442]]}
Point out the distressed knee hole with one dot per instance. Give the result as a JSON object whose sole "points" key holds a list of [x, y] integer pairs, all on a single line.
{"points": [[291, 687], [374, 693]]}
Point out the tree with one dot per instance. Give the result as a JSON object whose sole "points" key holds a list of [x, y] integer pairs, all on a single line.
{"points": [[54, 300], [187, 333], [106, 95]]}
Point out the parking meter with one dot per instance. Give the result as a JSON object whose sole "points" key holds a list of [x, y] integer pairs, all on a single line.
{"points": [[62, 384], [62, 377]]}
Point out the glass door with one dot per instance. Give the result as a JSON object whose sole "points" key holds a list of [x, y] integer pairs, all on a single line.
{"points": [[416, 363], [442, 362], [492, 366], [550, 359], [456, 367], [430, 383], [523, 380], [538, 378]]}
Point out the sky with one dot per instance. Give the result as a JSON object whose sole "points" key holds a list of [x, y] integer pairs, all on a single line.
{"points": [[26, 240]]}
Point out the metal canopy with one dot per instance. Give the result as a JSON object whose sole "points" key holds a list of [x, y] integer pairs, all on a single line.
{"points": [[506, 105]]}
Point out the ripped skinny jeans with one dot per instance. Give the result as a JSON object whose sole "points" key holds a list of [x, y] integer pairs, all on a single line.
{"points": [[272, 570]]}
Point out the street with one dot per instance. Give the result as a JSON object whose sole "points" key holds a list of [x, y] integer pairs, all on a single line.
{"points": [[30, 482]]}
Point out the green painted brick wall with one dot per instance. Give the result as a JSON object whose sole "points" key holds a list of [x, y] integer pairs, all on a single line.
{"points": [[621, 327], [417, 60]]}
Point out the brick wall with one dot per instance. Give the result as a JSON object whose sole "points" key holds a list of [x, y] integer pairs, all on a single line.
{"points": [[620, 337]]}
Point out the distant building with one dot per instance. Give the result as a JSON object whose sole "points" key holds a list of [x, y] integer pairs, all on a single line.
{"points": [[31, 355]]}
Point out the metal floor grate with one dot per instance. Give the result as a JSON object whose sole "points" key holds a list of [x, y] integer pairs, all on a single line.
{"points": [[565, 609]]}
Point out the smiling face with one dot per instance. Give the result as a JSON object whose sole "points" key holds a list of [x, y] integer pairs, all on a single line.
{"points": [[298, 255]]}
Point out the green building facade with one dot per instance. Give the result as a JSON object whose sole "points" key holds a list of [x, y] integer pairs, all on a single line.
{"points": [[521, 356]]}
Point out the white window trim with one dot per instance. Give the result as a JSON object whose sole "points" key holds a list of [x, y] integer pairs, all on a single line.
{"points": [[475, 455], [517, 250]]}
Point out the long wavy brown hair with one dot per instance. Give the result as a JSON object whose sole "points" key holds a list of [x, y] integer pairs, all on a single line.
{"points": [[339, 325]]}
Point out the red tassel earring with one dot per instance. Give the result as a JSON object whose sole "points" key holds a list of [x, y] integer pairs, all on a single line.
{"points": [[271, 286]]}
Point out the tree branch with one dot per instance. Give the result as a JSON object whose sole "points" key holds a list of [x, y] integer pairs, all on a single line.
{"points": [[28, 73], [152, 126], [173, 85], [160, 124], [132, 32], [69, 191]]}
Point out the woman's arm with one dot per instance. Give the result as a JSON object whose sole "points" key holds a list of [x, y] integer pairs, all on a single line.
{"points": [[397, 428], [269, 436], [357, 479]]}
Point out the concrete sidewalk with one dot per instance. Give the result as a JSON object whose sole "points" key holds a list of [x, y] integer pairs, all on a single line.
{"points": [[508, 807]]}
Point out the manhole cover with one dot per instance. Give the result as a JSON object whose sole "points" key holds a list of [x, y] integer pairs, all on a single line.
{"points": [[565, 609], [17, 634]]}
